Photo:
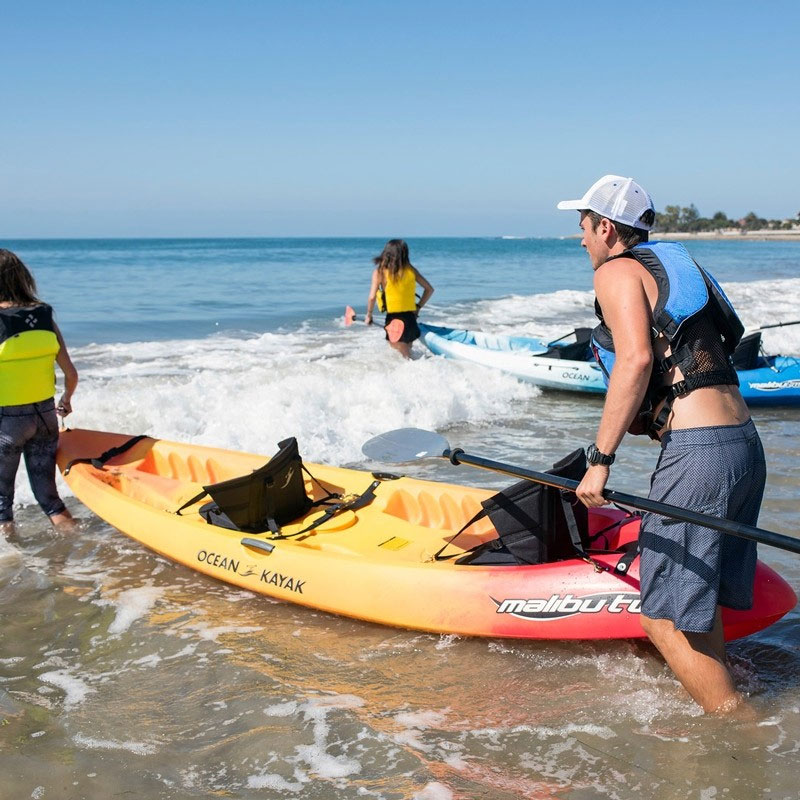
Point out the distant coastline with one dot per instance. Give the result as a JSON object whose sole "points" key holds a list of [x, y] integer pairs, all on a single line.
{"points": [[725, 235], [766, 235]]}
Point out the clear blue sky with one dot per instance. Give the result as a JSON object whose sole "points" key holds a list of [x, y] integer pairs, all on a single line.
{"points": [[365, 117]]}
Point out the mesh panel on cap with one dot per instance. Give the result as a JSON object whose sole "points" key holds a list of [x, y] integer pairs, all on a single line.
{"points": [[622, 201], [605, 196]]}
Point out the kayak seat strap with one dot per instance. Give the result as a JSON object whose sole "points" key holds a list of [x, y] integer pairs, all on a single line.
{"points": [[630, 551], [100, 461], [365, 498]]}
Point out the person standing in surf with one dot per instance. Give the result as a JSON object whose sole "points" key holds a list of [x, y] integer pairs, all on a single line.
{"points": [[396, 279], [30, 344], [664, 342]]}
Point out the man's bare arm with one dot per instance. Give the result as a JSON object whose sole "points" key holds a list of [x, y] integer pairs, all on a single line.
{"points": [[626, 310]]}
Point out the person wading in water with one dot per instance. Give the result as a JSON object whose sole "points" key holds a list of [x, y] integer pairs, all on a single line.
{"points": [[664, 341]]}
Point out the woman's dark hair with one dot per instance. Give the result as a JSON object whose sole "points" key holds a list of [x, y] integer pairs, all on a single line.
{"points": [[394, 258], [17, 285], [627, 234]]}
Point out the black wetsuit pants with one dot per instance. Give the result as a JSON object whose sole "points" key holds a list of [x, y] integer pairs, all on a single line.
{"points": [[29, 430]]}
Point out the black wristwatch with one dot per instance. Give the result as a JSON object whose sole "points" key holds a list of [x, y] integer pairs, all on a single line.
{"points": [[594, 456]]}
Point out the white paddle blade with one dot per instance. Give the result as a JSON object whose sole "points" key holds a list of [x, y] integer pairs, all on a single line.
{"points": [[405, 444]]}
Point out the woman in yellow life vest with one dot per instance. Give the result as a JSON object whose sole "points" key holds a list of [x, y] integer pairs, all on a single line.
{"points": [[396, 278], [30, 343]]}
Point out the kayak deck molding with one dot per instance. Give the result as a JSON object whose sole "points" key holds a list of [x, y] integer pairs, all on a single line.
{"points": [[376, 564]]}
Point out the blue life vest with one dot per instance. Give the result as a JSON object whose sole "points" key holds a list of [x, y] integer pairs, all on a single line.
{"points": [[696, 318]]}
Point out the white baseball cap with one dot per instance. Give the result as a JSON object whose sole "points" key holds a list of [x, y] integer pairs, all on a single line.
{"points": [[619, 199]]}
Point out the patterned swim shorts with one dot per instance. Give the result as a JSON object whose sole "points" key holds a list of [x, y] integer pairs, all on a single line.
{"points": [[686, 570]]}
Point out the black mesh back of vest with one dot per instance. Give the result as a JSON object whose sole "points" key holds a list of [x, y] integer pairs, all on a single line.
{"points": [[275, 491], [710, 364]]}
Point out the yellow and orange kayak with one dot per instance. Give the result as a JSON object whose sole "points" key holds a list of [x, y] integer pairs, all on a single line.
{"points": [[375, 563]]}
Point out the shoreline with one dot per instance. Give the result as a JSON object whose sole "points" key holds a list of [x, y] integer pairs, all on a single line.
{"points": [[753, 236], [748, 236]]}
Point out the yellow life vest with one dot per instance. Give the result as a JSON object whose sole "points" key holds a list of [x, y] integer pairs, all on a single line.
{"points": [[28, 350], [401, 293]]}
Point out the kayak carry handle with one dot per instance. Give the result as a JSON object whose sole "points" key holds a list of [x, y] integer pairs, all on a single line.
{"points": [[258, 544]]}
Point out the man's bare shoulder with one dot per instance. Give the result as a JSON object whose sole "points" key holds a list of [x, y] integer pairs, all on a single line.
{"points": [[618, 271]]}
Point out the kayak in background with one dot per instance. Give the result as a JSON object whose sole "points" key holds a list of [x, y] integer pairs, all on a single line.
{"points": [[568, 364], [369, 545]]}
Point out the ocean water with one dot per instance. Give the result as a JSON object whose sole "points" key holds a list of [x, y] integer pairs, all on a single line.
{"points": [[120, 672]]}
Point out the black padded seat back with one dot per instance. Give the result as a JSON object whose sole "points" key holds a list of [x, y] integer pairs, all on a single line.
{"points": [[273, 493], [747, 352]]}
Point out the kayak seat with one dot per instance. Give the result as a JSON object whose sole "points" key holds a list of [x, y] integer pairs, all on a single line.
{"points": [[262, 500], [747, 352], [536, 524], [579, 350]]}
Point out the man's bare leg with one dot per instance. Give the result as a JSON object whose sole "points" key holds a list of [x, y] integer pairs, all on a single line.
{"points": [[698, 661]]}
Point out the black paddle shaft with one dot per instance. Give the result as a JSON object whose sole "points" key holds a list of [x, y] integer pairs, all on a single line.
{"points": [[458, 456], [778, 325]]}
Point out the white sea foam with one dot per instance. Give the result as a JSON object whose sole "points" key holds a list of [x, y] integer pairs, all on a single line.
{"points": [[137, 748], [152, 660], [132, 604], [75, 690], [333, 389], [316, 755], [281, 709], [276, 782], [212, 634], [434, 791], [420, 720], [243, 393]]}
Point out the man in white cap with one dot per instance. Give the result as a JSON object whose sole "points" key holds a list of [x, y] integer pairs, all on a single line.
{"points": [[664, 342]]}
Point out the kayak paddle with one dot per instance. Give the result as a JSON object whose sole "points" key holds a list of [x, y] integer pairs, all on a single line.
{"points": [[411, 444], [776, 325], [394, 329]]}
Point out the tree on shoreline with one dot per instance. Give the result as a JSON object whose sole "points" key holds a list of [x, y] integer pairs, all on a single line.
{"points": [[687, 219]]}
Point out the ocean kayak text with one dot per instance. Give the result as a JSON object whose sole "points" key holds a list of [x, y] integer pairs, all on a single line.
{"points": [[267, 576]]}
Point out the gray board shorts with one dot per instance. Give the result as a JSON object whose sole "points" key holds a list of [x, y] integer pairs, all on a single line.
{"points": [[686, 570]]}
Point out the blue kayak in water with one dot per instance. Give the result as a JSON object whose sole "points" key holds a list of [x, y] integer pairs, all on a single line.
{"points": [[568, 364]]}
